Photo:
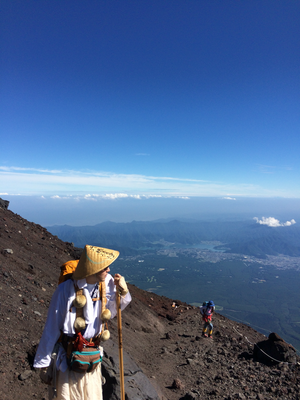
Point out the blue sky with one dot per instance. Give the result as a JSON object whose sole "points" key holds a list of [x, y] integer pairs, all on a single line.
{"points": [[129, 100]]}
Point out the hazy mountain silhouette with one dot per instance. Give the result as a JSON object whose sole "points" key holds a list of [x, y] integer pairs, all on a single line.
{"points": [[240, 237]]}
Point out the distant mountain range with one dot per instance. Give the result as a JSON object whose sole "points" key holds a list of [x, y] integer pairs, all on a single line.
{"points": [[241, 237]]}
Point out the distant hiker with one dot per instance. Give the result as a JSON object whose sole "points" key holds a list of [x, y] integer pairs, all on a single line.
{"points": [[69, 352], [207, 309]]}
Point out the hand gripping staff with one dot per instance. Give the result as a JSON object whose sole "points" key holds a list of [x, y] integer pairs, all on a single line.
{"points": [[119, 317]]}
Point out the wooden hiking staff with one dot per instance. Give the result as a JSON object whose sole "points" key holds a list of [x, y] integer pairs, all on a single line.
{"points": [[119, 317]]}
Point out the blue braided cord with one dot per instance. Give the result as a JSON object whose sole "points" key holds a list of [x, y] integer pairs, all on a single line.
{"points": [[87, 353]]}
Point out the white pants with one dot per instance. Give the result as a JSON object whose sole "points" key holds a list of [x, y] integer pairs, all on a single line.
{"points": [[77, 386]]}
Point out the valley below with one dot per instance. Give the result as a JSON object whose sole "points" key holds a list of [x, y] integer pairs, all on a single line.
{"points": [[251, 271], [262, 293]]}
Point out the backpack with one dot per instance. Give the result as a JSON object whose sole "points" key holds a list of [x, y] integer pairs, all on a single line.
{"points": [[207, 308], [66, 270], [209, 303]]}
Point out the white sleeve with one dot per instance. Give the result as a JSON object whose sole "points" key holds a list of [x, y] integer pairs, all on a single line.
{"points": [[111, 297], [52, 330]]}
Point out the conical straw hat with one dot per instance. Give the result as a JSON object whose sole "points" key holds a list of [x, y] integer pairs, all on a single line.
{"points": [[94, 259]]}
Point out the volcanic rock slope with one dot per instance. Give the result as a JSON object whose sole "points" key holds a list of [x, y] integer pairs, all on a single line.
{"points": [[164, 341]]}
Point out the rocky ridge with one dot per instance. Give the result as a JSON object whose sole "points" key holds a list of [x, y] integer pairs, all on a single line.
{"points": [[163, 342]]}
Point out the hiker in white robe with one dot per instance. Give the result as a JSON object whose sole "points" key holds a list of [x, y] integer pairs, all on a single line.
{"points": [[67, 384]]}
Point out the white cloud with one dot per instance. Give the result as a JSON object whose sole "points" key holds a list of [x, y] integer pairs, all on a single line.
{"points": [[150, 196], [111, 196], [289, 223], [271, 169], [266, 169], [49, 171], [89, 197], [34, 181], [114, 196], [273, 222], [229, 198]]}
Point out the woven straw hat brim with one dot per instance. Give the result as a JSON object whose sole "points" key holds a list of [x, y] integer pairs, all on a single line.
{"points": [[94, 259]]}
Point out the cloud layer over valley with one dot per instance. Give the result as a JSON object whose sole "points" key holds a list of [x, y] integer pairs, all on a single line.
{"points": [[273, 222]]}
